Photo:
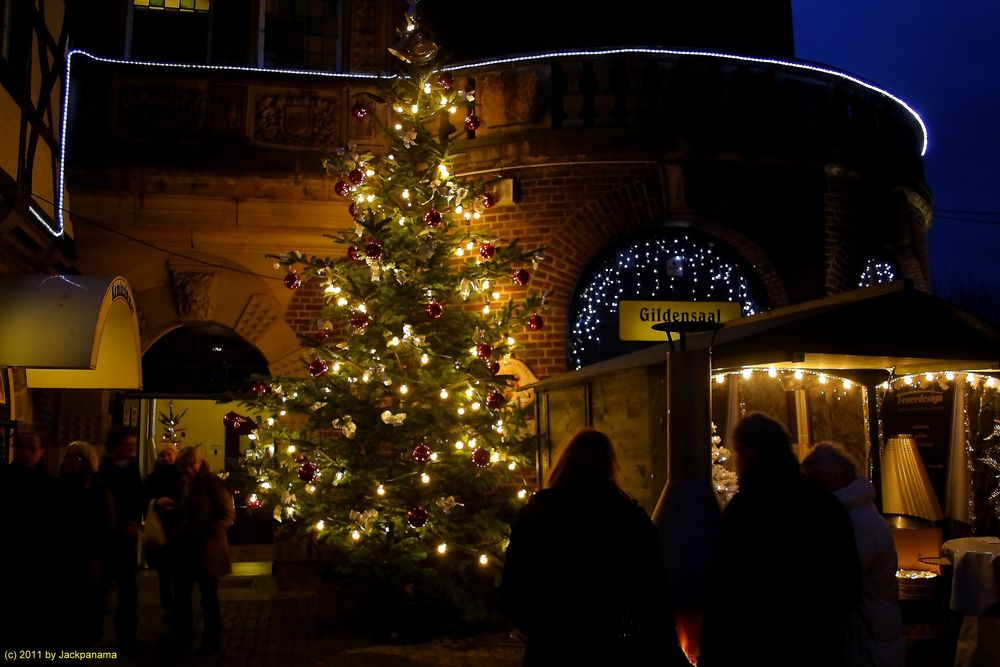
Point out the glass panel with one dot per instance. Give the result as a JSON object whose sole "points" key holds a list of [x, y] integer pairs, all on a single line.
{"points": [[175, 5]]}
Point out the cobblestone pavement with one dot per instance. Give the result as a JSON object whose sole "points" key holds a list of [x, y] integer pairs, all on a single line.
{"points": [[267, 627], [305, 624]]}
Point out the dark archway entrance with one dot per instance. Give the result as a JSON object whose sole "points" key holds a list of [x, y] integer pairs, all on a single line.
{"points": [[204, 359], [665, 263]]}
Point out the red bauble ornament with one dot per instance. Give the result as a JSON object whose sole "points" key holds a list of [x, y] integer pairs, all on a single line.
{"points": [[495, 400], [481, 457], [489, 200], [417, 516], [487, 250], [292, 280], [493, 366], [472, 122], [259, 387], [434, 310], [356, 176], [432, 217], [353, 210], [484, 350], [446, 80], [421, 453], [536, 322], [373, 250], [521, 276], [318, 368], [359, 320], [307, 472], [342, 188], [354, 254], [359, 110]]}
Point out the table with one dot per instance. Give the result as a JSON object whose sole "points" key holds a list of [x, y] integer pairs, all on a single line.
{"points": [[975, 590]]}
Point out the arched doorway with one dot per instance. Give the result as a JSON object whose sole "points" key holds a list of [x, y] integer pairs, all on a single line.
{"points": [[200, 359], [186, 373], [666, 263]]}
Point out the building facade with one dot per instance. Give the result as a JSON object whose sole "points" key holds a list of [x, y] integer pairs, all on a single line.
{"points": [[35, 237], [751, 178]]}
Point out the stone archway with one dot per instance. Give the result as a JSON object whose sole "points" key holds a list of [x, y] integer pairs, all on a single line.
{"points": [[218, 291], [601, 222]]}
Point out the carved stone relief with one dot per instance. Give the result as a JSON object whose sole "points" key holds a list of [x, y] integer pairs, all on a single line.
{"points": [[297, 118], [512, 97], [229, 111], [161, 112], [193, 291], [258, 316]]}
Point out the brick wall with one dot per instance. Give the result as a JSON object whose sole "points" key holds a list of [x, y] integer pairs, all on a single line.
{"points": [[802, 232]]}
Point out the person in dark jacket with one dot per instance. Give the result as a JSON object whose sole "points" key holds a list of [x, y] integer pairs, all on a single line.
{"points": [[206, 511], [120, 472], [31, 522], [163, 491], [583, 579], [89, 532], [787, 574]]}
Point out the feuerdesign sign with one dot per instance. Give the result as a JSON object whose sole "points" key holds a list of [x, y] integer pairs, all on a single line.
{"points": [[925, 413], [636, 318]]}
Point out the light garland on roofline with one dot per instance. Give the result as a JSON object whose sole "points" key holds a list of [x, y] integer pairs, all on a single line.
{"points": [[791, 64]]}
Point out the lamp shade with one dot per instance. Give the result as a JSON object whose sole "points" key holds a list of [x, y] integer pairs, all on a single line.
{"points": [[906, 488]]}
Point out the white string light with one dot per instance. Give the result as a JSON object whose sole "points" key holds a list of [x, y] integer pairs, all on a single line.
{"points": [[877, 273], [674, 266]]}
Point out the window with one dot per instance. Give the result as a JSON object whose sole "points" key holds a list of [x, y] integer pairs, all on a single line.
{"points": [[302, 33], [174, 5], [171, 31], [4, 26]]}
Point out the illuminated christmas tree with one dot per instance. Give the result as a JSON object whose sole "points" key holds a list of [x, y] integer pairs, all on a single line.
{"points": [[398, 451], [171, 424]]}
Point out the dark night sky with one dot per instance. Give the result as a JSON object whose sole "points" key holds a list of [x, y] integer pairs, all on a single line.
{"points": [[944, 60]]}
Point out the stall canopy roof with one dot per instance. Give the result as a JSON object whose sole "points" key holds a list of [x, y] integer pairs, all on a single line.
{"points": [[892, 326], [77, 332]]}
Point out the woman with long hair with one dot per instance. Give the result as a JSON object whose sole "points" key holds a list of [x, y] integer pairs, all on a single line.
{"points": [[583, 580]]}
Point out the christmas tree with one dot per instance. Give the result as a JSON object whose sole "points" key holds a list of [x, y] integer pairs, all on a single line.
{"points": [[724, 479], [171, 424], [398, 451]]}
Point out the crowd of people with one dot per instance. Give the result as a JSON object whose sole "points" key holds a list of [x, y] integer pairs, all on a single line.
{"points": [[77, 541], [803, 572]]}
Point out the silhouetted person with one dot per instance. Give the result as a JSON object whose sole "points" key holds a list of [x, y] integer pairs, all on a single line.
{"points": [[88, 537], [583, 580], [30, 523], [120, 472], [202, 550], [875, 631], [786, 576], [163, 490]]}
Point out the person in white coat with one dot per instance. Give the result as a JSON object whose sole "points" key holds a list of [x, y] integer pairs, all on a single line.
{"points": [[875, 629]]}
